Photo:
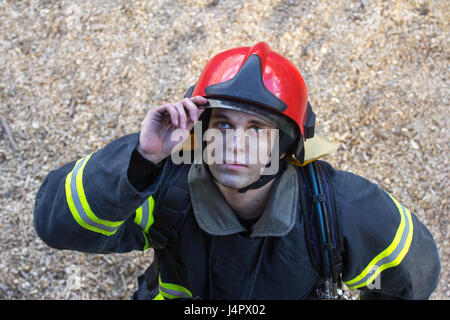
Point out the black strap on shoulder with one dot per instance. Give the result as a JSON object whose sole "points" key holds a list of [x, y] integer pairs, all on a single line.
{"points": [[171, 209], [321, 225], [335, 234]]}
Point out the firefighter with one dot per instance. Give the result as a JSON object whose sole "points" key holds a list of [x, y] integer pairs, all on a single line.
{"points": [[243, 234]]}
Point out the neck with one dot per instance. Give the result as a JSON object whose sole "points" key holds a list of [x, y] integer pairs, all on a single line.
{"points": [[247, 205]]}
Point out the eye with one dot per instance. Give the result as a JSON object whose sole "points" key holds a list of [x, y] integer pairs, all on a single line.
{"points": [[257, 129], [223, 125]]}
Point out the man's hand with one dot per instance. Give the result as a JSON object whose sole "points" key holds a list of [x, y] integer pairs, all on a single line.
{"points": [[155, 142]]}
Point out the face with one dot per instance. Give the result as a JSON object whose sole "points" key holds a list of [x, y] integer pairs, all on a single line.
{"points": [[247, 143]]}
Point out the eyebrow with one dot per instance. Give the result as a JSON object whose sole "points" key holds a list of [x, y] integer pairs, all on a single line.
{"points": [[252, 121]]}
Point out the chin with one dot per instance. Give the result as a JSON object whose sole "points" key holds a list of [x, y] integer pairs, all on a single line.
{"points": [[230, 179], [227, 180], [233, 185]]}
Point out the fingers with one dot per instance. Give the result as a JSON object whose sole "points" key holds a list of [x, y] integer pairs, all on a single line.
{"points": [[188, 111], [199, 100], [192, 108], [181, 114], [161, 112], [180, 110], [173, 114]]}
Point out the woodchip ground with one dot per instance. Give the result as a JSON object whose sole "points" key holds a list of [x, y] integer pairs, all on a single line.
{"points": [[74, 75]]}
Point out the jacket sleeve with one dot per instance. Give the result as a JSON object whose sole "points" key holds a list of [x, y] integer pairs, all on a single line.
{"points": [[99, 203], [388, 252]]}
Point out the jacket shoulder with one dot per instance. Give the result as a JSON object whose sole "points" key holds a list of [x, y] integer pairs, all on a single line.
{"points": [[356, 193]]}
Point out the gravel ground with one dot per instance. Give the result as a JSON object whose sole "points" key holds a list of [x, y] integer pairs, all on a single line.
{"points": [[75, 75]]}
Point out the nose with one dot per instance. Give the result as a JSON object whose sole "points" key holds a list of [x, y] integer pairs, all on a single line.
{"points": [[236, 145]]}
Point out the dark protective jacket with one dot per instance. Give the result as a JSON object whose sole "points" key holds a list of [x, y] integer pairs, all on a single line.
{"points": [[104, 203]]}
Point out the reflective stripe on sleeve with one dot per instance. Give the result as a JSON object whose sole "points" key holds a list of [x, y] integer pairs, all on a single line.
{"points": [[158, 297], [173, 291], [79, 206], [144, 218], [392, 255], [144, 214]]}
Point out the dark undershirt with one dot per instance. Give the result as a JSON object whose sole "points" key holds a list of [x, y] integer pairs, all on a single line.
{"points": [[142, 172], [247, 224]]}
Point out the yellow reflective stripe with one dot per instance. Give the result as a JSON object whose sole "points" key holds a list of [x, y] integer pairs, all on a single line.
{"points": [[72, 208], [144, 218], [409, 236], [167, 295], [78, 205], [85, 204], [173, 291], [158, 297], [138, 216], [147, 244], [392, 255], [151, 205], [144, 214]]}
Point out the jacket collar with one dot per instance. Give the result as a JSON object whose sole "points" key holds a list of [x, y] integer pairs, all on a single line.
{"points": [[215, 216]]}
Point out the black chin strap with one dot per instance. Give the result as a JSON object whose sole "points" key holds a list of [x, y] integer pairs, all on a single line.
{"points": [[264, 179]]}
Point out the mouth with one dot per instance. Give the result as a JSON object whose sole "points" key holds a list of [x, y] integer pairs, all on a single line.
{"points": [[235, 166], [233, 162]]}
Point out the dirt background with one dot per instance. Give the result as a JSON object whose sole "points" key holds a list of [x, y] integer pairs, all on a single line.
{"points": [[75, 75]]}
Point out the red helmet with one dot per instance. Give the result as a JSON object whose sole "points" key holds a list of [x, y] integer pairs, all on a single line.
{"points": [[258, 76]]}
